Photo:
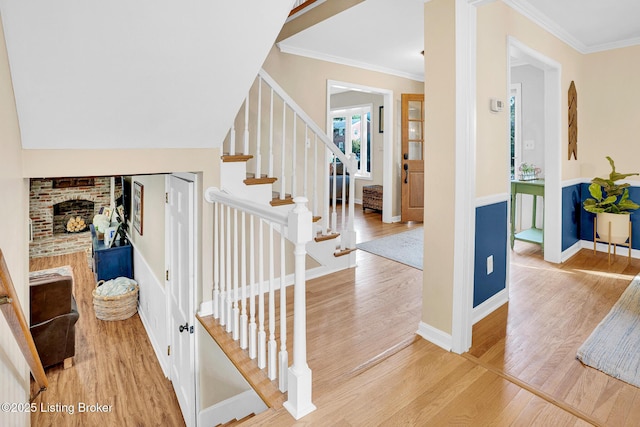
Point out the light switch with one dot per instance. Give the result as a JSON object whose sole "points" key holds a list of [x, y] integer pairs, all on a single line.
{"points": [[489, 264]]}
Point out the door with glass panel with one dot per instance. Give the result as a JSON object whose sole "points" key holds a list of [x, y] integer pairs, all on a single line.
{"points": [[412, 157]]}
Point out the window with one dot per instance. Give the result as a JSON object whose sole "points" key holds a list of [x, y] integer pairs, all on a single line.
{"points": [[352, 134]]}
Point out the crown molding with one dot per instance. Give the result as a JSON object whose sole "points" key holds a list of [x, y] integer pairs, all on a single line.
{"points": [[346, 61], [527, 10]]}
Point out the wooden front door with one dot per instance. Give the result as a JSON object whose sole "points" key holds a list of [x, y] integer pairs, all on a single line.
{"points": [[412, 157]]}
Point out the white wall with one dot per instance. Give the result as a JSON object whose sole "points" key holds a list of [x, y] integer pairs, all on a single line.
{"points": [[14, 374], [135, 74]]}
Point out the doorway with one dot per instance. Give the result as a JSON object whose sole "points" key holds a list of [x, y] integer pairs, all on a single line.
{"points": [[348, 96], [181, 280], [542, 145]]}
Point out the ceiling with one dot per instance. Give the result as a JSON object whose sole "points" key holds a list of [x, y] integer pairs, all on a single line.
{"points": [[387, 36]]}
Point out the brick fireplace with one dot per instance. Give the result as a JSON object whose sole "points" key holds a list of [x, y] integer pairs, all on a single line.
{"points": [[53, 202]]}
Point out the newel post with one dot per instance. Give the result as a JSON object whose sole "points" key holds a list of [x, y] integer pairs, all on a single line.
{"points": [[299, 394]]}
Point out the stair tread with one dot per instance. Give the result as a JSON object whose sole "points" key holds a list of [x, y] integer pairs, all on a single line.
{"points": [[256, 377], [258, 181], [316, 218], [344, 252], [324, 237], [236, 157], [277, 201]]}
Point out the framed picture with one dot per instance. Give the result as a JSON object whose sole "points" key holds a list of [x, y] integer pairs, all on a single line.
{"points": [[138, 206], [381, 119]]}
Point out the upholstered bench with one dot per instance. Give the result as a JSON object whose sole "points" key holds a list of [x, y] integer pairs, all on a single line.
{"points": [[372, 197]]}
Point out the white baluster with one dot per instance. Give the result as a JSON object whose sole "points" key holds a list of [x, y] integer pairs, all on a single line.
{"points": [[252, 300], [232, 140], [343, 201], [270, 170], [228, 309], [299, 382], [315, 175], [327, 191], [243, 283], [307, 142], [223, 276], [259, 131], [245, 148], [351, 232], [283, 151], [262, 335], [294, 189], [236, 309], [216, 262], [334, 212], [283, 355], [271, 351]]}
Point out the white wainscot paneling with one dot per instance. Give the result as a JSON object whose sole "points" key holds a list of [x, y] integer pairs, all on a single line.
{"points": [[152, 308]]}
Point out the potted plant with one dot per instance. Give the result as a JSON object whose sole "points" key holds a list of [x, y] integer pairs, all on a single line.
{"points": [[610, 202]]}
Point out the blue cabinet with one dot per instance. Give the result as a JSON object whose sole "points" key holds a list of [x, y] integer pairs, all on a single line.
{"points": [[109, 263]]}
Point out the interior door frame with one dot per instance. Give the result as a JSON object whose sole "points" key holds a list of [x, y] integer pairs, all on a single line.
{"points": [[387, 162], [553, 142], [193, 179]]}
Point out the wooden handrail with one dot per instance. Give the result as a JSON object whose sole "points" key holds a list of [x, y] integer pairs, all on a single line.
{"points": [[14, 315], [301, 6]]}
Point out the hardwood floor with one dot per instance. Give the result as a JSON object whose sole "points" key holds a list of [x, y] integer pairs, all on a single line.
{"points": [[370, 369], [114, 365]]}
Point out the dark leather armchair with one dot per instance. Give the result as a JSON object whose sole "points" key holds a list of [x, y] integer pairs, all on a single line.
{"points": [[53, 317]]}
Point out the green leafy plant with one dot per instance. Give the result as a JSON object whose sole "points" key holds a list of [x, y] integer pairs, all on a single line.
{"points": [[608, 196]]}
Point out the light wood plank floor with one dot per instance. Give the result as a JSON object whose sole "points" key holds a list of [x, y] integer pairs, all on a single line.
{"points": [[369, 369], [114, 365]]}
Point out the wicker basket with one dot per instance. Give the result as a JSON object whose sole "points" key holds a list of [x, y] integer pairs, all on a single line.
{"points": [[118, 307]]}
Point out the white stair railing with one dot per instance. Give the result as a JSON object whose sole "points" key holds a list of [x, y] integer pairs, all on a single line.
{"points": [[294, 156], [235, 294]]}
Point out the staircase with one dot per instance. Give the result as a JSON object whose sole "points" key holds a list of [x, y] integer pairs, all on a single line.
{"points": [[274, 152], [281, 216]]}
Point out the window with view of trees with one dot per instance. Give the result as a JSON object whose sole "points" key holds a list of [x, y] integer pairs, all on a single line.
{"points": [[352, 134]]}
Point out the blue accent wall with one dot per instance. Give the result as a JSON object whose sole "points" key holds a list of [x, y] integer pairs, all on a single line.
{"points": [[586, 218], [571, 215], [491, 239]]}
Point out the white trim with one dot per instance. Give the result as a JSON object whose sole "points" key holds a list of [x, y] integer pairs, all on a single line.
{"points": [[532, 13], [553, 143], [145, 277], [603, 247], [465, 171], [575, 181], [397, 218], [284, 48], [490, 305], [206, 308], [388, 147], [574, 249], [492, 200], [528, 11], [435, 336]]}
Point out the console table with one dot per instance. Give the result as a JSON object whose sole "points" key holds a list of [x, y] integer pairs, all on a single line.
{"points": [[109, 263], [533, 234]]}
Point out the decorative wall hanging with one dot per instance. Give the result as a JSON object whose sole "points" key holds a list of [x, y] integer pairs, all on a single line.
{"points": [[573, 121]]}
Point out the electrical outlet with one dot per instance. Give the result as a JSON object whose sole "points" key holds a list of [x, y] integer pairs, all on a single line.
{"points": [[529, 144], [489, 264]]}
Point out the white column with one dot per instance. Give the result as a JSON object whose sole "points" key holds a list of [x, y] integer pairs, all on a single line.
{"points": [[299, 394]]}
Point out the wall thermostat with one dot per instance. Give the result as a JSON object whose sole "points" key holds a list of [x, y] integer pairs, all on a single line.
{"points": [[496, 105]]}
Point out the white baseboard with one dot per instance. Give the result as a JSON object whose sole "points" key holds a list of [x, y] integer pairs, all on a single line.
{"points": [[566, 254], [603, 247], [435, 336], [396, 218], [490, 305], [236, 407], [206, 308]]}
